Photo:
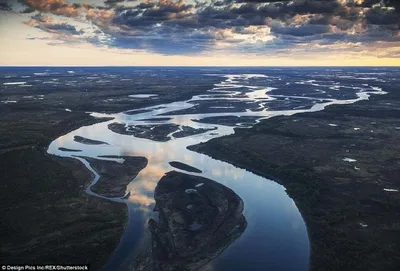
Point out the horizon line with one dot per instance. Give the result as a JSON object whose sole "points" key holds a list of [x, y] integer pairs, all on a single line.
{"points": [[199, 66]]}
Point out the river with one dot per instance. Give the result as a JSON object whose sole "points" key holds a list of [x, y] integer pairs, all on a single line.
{"points": [[276, 235]]}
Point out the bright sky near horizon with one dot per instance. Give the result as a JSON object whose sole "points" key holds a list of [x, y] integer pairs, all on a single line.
{"points": [[200, 33]]}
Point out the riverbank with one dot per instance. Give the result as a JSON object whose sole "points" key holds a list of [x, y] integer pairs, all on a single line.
{"points": [[46, 215], [341, 168], [114, 176]]}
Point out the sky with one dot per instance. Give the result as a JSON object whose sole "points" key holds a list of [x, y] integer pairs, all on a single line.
{"points": [[200, 33]]}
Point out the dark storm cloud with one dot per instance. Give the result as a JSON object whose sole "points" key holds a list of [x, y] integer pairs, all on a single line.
{"points": [[261, 1], [5, 6], [255, 14], [339, 22], [146, 5], [220, 3], [63, 27], [174, 27], [113, 2], [150, 14], [291, 22], [289, 9], [165, 27], [302, 31], [49, 25], [387, 3], [28, 10], [368, 3], [226, 2], [380, 16]]}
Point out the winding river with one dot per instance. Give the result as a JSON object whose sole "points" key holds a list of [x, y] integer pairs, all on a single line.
{"points": [[276, 235]]}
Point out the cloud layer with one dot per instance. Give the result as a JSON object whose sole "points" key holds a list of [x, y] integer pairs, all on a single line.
{"points": [[264, 27]]}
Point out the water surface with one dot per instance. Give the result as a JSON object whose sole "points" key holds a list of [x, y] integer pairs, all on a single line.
{"points": [[276, 236]]}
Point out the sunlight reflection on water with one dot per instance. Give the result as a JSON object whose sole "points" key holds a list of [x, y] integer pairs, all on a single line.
{"points": [[276, 234]]}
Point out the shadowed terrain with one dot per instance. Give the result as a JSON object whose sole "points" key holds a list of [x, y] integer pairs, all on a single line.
{"points": [[339, 165], [198, 219], [46, 215], [114, 176], [336, 165]]}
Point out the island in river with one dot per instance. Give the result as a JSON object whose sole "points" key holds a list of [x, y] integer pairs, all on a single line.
{"points": [[198, 219]]}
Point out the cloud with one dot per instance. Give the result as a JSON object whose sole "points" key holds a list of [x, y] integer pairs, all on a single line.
{"points": [[5, 6], [246, 26], [63, 27], [300, 31], [100, 18], [382, 16], [114, 3], [148, 13], [51, 26], [58, 7], [146, 5], [28, 10]]}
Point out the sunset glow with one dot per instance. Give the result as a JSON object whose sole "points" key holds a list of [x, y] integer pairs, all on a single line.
{"points": [[218, 33]]}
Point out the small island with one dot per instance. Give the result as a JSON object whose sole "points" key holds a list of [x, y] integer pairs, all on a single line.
{"points": [[88, 141], [198, 219], [184, 166]]}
